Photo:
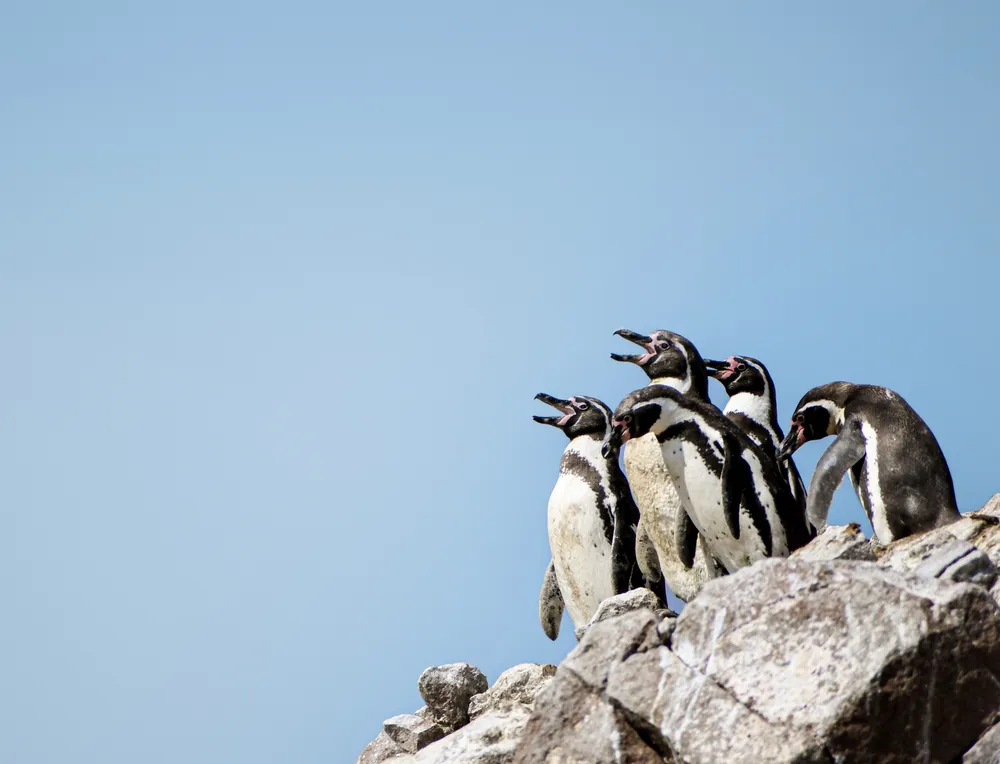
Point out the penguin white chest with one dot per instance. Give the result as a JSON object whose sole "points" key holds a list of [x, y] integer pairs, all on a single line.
{"points": [[580, 548], [875, 503], [700, 490]]}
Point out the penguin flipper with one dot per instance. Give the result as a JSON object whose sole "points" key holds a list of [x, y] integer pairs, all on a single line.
{"points": [[845, 452], [685, 538], [550, 603], [735, 474], [645, 555], [623, 560]]}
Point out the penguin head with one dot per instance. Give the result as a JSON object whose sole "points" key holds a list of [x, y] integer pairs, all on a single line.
{"points": [[816, 416], [668, 356], [640, 413], [581, 415], [741, 374]]}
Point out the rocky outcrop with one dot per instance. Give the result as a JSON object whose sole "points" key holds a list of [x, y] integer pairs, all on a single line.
{"points": [[845, 652], [870, 666], [455, 694]]}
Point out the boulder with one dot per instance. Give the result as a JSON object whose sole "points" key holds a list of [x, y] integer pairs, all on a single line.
{"points": [[516, 686], [447, 691], [939, 554], [612, 607], [411, 732], [792, 661], [837, 542]]}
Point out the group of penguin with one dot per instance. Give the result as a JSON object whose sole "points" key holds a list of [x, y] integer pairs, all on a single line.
{"points": [[706, 492]]}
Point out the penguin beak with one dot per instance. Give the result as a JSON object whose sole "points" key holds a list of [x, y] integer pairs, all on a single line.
{"points": [[721, 370], [716, 368], [557, 403], [619, 435], [795, 438], [646, 343]]}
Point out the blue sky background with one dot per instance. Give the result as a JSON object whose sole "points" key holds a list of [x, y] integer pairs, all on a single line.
{"points": [[279, 282]]}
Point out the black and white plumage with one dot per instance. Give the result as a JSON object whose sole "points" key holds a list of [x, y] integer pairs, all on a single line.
{"points": [[591, 518], [672, 360], [896, 465], [732, 492], [753, 406]]}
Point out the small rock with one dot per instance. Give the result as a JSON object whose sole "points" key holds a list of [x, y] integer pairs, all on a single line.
{"points": [[447, 691], [411, 732], [490, 739], [636, 599], [517, 685], [837, 542], [987, 748], [382, 748]]}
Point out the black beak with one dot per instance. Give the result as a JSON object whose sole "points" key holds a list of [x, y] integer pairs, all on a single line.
{"points": [[626, 358], [557, 403], [612, 442], [639, 339], [790, 444], [714, 368]]}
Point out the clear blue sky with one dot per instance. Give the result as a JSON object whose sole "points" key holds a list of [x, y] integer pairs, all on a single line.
{"points": [[279, 282]]}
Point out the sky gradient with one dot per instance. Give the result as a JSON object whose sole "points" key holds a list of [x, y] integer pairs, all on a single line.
{"points": [[278, 284]]}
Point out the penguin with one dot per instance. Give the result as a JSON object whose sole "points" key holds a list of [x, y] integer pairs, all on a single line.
{"points": [[732, 491], [896, 465], [672, 360], [591, 519], [753, 406]]}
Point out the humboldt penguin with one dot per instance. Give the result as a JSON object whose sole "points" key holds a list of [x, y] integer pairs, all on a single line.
{"points": [[896, 465]]}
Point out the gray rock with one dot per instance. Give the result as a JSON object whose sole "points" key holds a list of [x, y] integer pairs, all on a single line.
{"points": [[940, 553], [803, 662], [609, 642], [490, 739], [837, 542], [382, 748], [987, 748], [516, 686], [612, 607], [447, 691], [574, 724], [411, 732]]}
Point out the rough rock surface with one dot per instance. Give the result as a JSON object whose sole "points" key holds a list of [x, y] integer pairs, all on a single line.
{"points": [[573, 721], [490, 739], [516, 686], [939, 554], [987, 748], [382, 748], [837, 542], [658, 503], [636, 599], [871, 665], [447, 691], [411, 732]]}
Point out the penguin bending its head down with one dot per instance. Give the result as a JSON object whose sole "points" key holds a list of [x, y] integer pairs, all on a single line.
{"points": [[591, 519], [730, 489], [753, 406], [896, 465], [672, 360]]}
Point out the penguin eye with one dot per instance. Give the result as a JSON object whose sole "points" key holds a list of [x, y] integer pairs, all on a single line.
{"points": [[741, 367], [662, 345], [583, 405], [800, 418]]}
